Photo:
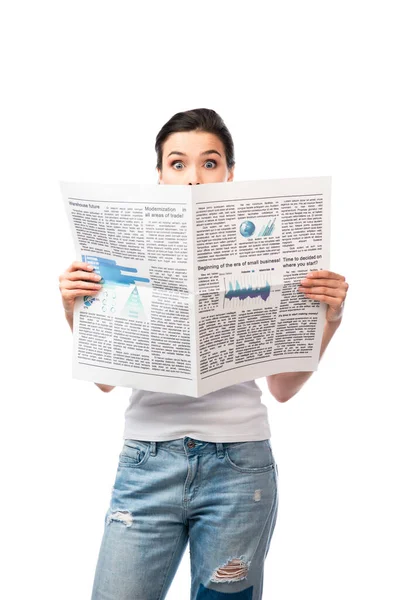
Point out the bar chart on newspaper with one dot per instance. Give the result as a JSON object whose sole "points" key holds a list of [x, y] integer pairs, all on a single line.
{"points": [[120, 295]]}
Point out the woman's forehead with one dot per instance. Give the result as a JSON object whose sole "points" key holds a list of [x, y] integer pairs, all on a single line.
{"points": [[192, 142]]}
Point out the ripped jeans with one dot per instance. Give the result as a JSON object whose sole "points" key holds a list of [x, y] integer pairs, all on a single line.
{"points": [[222, 498]]}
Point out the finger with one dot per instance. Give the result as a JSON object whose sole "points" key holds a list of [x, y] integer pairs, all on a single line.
{"points": [[325, 273], [84, 275], [333, 283], [69, 284], [79, 265], [325, 291], [327, 299]]}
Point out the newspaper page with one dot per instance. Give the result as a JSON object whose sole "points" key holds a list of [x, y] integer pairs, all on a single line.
{"points": [[254, 242], [200, 282], [138, 331]]}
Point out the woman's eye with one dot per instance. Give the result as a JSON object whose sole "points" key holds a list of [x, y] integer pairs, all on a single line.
{"points": [[213, 162], [179, 162]]}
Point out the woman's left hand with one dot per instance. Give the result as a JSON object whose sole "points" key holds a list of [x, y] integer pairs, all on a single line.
{"points": [[328, 287]]}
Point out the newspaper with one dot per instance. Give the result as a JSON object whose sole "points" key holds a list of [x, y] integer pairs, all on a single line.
{"points": [[200, 282]]}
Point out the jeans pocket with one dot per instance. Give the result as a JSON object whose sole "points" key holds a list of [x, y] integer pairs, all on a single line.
{"points": [[250, 457], [134, 453]]}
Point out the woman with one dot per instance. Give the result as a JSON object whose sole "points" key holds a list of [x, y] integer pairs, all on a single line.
{"points": [[195, 469]]}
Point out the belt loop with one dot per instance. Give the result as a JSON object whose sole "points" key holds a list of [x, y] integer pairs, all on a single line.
{"points": [[153, 448], [220, 450]]}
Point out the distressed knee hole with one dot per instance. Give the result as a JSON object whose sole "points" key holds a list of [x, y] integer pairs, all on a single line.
{"points": [[121, 515], [234, 569], [257, 495]]}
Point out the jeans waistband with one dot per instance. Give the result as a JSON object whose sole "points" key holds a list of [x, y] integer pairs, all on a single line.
{"points": [[192, 446]]}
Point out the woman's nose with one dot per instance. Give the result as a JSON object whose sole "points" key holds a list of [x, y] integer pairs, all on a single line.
{"points": [[193, 176]]}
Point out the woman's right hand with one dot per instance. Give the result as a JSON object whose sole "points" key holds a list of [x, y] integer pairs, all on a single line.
{"points": [[78, 280]]}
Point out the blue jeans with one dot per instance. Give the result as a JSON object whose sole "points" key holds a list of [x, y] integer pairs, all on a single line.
{"points": [[221, 497]]}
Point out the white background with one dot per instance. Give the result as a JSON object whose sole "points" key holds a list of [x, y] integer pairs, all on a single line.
{"points": [[306, 88]]}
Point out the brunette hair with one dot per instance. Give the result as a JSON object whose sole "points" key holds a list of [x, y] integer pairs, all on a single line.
{"points": [[198, 119]]}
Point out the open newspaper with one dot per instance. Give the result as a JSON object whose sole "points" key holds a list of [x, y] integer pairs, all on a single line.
{"points": [[200, 282]]}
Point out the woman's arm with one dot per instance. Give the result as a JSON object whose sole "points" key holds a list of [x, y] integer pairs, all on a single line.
{"points": [[284, 386], [69, 315], [324, 286]]}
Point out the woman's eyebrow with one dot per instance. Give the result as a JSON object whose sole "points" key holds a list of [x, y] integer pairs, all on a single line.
{"points": [[201, 154]]}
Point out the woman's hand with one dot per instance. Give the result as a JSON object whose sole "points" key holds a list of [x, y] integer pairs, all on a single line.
{"points": [[328, 287], [78, 280]]}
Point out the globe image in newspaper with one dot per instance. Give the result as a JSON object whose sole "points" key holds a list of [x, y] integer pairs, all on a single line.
{"points": [[88, 300], [247, 228]]}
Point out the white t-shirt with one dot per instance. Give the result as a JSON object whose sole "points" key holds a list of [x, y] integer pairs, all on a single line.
{"points": [[231, 414]]}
